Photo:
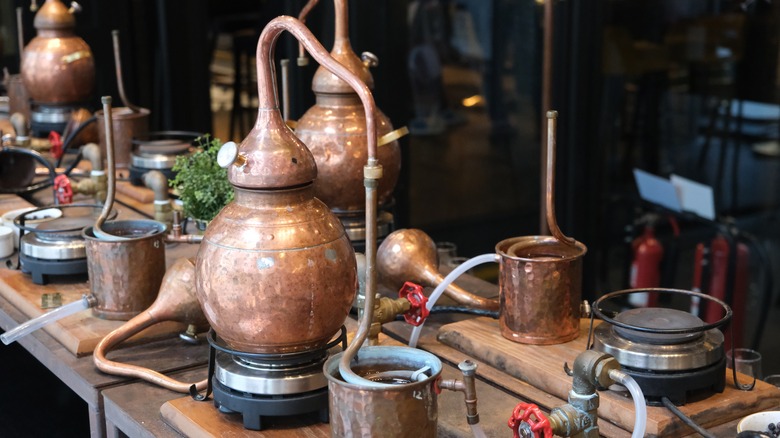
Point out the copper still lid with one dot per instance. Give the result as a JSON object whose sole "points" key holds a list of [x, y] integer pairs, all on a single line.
{"points": [[54, 15]]}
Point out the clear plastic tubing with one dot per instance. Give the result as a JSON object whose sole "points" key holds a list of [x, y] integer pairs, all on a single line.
{"points": [[30, 326], [457, 272], [640, 408], [477, 431]]}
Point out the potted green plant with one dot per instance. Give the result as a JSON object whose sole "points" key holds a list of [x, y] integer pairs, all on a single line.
{"points": [[202, 185]]}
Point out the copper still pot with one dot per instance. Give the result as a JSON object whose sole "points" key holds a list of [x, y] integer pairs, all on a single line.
{"points": [[276, 272], [57, 65], [334, 129]]}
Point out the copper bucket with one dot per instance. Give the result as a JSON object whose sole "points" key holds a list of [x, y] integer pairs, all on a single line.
{"points": [[127, 124], [540, 287], [407, 409], [125, 275]]}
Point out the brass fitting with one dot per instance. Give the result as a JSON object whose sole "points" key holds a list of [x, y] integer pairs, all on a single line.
{"points": [[468, 387], [96, 186], [385, 310], [177, 232]]}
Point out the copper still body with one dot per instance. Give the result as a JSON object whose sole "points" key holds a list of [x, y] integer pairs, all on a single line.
{"points": [[334, 129], [57, 66], [276, 272], [406, 409], [125, 275]]}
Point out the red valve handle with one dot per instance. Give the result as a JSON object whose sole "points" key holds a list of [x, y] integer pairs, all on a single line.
{"points": [[540, 424], [63, 189], [417, 314], [56, 144]]}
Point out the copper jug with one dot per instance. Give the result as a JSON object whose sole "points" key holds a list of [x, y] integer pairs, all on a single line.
{"points": [[334, 129], [57, 65], [275, 272]]}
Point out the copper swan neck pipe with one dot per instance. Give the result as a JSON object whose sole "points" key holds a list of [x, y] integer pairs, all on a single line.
{"points": [[265, 76], [302, 59], [552, 119], [120, 82]]}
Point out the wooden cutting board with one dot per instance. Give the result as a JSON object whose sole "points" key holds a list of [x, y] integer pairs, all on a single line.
{"points": [[542, 367], [78, 333]]}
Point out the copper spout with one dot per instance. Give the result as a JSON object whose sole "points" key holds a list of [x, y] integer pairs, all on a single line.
{"points": [[552, 117], [176, 302], [118, 66], [410, 255]]}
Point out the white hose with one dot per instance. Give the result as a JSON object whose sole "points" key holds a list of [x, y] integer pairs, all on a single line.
{"points": [[477, 431], [34, 324], [640, 409], [457, 272]]}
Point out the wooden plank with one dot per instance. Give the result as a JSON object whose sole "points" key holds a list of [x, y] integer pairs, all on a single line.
{"points": [[78, 333], [542, 367], [126, 190]]}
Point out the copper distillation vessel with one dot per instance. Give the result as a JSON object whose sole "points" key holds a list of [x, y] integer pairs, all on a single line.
{"points": [[58, 69], [334, 129]]}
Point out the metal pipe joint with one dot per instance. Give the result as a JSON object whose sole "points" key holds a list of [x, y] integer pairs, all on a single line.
{"points": [[468, 387]]}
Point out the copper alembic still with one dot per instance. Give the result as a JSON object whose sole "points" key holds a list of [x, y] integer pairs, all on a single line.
{"points": [[58, 69], [334, 129]]}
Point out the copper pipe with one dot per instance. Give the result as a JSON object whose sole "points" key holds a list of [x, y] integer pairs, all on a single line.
{"points": [[285, 89], [410, 255], [302, 59], [118, 66], [547, 71], [468, 387], [177, 233], [176, 302], [552, 118], [265, 76], [111, 168], [19, 33]]}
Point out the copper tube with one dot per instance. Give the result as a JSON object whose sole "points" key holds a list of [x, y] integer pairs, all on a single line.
{"points": [[285, 89], [265, 82], [468, 386], [177, 233], [547, 71], [410, 255], [552, 118], [302, 59], [176, 302], [109, 204], [118, 66], [19, 32]]}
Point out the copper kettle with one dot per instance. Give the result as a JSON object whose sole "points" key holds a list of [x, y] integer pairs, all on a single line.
{"points": [[334, 129], [275, 272], [57, 65]]}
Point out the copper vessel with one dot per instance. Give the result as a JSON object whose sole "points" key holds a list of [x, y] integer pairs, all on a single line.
{"points": [[275, 272], [334, 129], [57, 66], [410, 255], [18, 97], [125, 275], [176, 301], [540, 279], [408, 409]]}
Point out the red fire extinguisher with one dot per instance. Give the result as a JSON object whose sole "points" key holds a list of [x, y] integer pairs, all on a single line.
{"points": [[719, 287], [647, 253]]}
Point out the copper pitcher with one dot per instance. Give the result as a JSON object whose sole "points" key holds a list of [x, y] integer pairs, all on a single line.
{"points": [[334, 129], [57, 66], [275, 272]]}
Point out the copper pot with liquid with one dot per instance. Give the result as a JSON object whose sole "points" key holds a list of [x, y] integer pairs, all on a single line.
{"points": [[57, 66], [334, 129], [276, 272]]}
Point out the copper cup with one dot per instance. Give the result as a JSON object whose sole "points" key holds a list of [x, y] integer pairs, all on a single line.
{"points": [[125, 275], [127, 125], [540, 287]]}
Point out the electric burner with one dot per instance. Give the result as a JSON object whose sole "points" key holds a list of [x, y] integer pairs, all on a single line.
{"points": [[355, 226], [258, 385], [56, 247], [158, 151], [45, 118], [670, 353]]}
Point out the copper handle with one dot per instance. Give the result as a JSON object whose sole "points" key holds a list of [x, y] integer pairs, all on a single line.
{"points": [[552, 118]]}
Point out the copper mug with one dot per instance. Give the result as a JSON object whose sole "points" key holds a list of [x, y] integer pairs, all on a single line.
{"points": [[540, 287]]}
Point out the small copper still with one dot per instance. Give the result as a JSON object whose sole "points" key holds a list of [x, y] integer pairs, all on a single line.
{"points": [[176, 301], [410, 255], [334, 129], [540, 280], [276, 272], [57, 66], [129, 121]]}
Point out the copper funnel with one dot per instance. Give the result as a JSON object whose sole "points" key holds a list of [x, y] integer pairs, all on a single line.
{"points": [[410, 255], [176, 301], [334, 129], [57, 66]]}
